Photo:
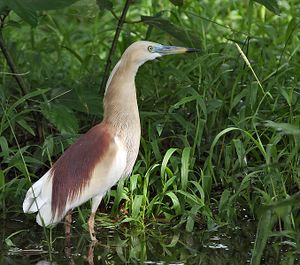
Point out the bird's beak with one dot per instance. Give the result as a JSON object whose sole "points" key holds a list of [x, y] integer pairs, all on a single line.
{"points": [[165, 50]]}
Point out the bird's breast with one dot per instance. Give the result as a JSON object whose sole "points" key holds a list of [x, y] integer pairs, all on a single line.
{"points": [[123, 115], [131, 140]]}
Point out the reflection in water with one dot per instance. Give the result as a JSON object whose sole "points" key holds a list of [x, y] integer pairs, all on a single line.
{"points": [[155, 248], [44, 262], [68, 251], [68, 254], [152, 246], [68, 245], [90, 257]]}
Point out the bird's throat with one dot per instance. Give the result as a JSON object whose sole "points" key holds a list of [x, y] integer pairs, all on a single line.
{"points": [[120, 102]]}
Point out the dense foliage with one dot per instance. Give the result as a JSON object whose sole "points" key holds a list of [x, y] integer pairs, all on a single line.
{"points": [[220, 130]]}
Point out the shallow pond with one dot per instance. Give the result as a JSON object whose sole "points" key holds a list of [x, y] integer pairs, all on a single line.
{"points": [[153, 245]]}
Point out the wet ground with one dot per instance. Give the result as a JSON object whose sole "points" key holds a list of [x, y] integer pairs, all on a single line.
{"points": [[25, 243]]}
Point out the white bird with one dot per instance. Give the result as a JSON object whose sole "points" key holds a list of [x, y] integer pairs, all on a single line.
{"points": [[106, 153]]}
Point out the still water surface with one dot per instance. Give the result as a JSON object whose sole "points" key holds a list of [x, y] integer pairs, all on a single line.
{"points": [[124, 246]]}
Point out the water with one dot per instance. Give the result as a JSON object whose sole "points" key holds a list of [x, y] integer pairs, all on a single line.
{"points": [[154, 245]]}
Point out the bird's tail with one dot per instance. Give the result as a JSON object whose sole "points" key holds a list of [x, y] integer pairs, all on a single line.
{"points": [[38, 199]]}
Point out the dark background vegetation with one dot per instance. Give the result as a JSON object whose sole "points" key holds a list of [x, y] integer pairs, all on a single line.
{"points": [[220, 129]]}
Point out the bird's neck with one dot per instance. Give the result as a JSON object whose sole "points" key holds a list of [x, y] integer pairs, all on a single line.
{"points": [[120, 103]]}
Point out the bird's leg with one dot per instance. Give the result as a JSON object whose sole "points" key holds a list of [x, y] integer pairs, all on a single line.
{"points": [[91, 224]]}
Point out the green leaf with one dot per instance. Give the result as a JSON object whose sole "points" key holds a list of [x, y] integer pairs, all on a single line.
{"points": [[48, 146], [23, 10], [105, 5], [240, 150], [8, 240], [207, 184], [9, 243], [136, 206], [133, 182], [191, 218], [165, 161], [190, 223], [169, 183], [272, 5], [12, 23], [4, 146], [2, 178], [26, 9], [27, 97], [23, 123], [292, 26], [293, 200], [258, 144], [185, 37], [223, 204], [176, 204], [193, 198], [177, 2], [184, 101], [213, 105], [48, 4], [3, 7], [199, 189], [284, 128], [262, 234], [61, 117], [185, 162]]}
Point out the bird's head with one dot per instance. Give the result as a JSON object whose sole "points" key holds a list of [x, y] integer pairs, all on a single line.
{"points": [[143, 51]]}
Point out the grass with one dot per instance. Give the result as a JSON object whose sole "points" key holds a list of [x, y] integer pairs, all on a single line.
{"points": [[220, 130]]}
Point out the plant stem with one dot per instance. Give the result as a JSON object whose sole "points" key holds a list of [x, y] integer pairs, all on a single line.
{"points": [[114, 45], [11, 64], [125, 21], [18, 77]]}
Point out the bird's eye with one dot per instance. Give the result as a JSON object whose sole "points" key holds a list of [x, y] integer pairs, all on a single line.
{"points": [[150, 48]]}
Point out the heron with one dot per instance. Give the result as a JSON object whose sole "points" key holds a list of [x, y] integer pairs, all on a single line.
{"points": [[103, 155]]}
